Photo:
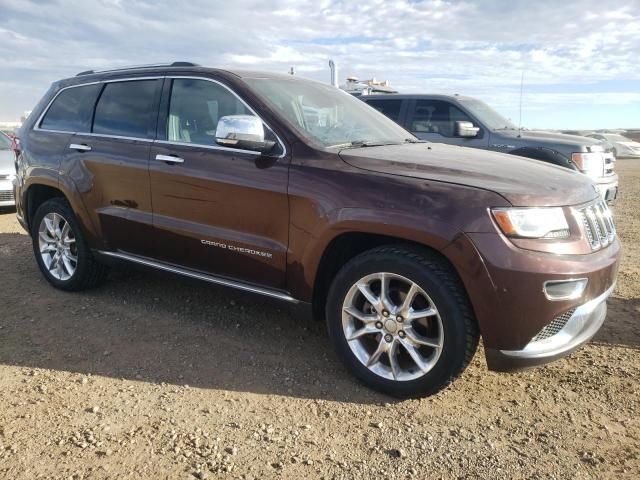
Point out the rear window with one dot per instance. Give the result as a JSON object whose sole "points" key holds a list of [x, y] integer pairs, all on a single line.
{"points": [[71, 110], [127, 109], [391, 108]]}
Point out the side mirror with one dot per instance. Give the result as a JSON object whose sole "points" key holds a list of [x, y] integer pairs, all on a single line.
{"points": [[245, 132], [466, 130]]}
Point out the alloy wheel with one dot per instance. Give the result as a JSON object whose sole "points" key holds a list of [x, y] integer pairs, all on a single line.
{"points": [[57, 244], [392, 326]]}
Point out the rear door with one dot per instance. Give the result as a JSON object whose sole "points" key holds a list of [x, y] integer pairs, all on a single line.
{"points": [[434, 120], [216, 209], [110, 164]]}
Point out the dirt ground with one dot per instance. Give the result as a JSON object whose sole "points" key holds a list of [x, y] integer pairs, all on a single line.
{"points": [[151, 376]]}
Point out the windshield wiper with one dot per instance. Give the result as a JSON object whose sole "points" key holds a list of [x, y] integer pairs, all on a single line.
{"points": [[414, 140], [362, 144]]}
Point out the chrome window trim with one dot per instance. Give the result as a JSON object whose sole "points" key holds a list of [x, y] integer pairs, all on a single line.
{"points": [[116, 137], [36, 126], [210, 147], [202, 276]]}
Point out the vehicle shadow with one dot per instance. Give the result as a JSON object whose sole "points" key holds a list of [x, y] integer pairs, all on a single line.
{"points": [[622, 326], [154, 327]]}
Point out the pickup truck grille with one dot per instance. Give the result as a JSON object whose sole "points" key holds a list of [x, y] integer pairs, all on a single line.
{"points": [[6, 196], [598, 224], [609, 164]]}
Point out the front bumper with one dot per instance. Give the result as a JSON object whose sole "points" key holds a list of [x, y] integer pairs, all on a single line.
{"points": [[607, 187], [7, 198], [580, 327]]}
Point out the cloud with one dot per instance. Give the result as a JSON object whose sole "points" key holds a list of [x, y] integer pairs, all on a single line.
{"points": [[477, 48]]}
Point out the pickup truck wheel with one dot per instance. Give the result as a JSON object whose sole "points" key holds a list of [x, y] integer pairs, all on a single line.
{"points": [[401, 322], [61, 250]]}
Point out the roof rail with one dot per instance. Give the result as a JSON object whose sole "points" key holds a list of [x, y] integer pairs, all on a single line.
{"points": [[135, 67]]}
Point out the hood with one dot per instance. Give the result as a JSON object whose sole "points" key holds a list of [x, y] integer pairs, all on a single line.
{"points": [[522, 181], [540, 137], [630, 144], [7, 162]]}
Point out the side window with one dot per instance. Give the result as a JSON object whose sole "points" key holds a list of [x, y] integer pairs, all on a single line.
{"points": [[195, 108], [127, 109], [72, 109], [436, 116], [391, 108]]}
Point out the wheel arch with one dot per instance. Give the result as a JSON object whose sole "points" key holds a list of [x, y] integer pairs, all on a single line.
{"points": [[544, 154], [349, 238], [40, 189]]}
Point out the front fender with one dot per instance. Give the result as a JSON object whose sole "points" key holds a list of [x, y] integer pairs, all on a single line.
{"points": [[304, 264]]}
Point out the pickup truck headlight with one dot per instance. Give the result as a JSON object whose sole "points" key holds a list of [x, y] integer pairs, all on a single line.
{"points": [[589, 163], [532, 222]]}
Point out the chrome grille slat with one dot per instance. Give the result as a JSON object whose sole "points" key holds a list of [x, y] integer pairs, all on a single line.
{"points": [[6, 196], [599, 227]]}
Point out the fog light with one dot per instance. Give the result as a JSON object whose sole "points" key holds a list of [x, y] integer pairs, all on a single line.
{"points": [[565, 289]]}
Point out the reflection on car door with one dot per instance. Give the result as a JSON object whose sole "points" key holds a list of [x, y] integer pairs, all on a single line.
{"points": [[216, 209], [434, 120]]}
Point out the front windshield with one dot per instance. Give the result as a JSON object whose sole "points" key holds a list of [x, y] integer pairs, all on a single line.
{"points": [[487, 115], [5, 142], [326, 115], [616, 138]]}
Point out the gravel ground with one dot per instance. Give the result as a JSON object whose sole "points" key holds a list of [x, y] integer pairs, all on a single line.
{"points": [[152, 376]]}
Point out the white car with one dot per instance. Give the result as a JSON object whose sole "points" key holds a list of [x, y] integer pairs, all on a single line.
{"points": [[7, 172], [622, 146]]}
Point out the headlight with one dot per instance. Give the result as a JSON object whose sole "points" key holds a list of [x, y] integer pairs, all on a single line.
{"points": [[589, 163], [532, 222]]}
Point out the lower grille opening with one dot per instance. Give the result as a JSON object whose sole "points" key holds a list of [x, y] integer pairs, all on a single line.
{"points": [[554, 327]]}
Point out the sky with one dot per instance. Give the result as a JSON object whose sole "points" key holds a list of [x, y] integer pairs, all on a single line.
{"points": [[580, 58]]}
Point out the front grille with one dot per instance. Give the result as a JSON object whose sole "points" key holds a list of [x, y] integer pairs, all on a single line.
{"points": [[598, 223], [609, 164], [554, 327], [6, 196]]}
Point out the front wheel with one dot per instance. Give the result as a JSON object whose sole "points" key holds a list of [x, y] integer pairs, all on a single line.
{"points": [[401, 322], [61, 251]]}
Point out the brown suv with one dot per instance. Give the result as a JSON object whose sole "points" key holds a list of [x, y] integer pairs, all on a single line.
{"points": [[296, 190]]}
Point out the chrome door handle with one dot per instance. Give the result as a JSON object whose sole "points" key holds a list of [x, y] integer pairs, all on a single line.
{"points": [[80, 146], [169, 158]]}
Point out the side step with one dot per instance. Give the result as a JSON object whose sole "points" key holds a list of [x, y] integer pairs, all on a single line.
{"points": [[201, 276]]}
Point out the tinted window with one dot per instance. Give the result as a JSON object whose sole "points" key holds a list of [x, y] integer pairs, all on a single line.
{"points": [[72, 109], [391, 108], [195, 108], [127, 109], [436, 116], [5, 142]]}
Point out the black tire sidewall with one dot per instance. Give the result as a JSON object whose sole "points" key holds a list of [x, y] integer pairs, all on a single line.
{"points": [[61, 207], [453, 355]]}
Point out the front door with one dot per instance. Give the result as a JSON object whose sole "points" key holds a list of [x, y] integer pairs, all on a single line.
{"points": [[435, 120], [216, 209]]}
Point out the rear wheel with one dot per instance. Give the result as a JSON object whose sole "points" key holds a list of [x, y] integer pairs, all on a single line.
{"points": [[61, 251], [401, 322]]}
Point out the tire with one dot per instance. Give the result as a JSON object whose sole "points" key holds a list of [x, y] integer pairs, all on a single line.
{"points": [[452, 332], [83, 273]]}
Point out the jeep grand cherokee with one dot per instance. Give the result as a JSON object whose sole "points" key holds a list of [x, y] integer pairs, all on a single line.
{"points": [[295, 190]]}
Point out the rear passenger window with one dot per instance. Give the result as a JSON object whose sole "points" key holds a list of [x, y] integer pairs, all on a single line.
{"points": [[391, 108], [72, 109], [195, 108], [127, 109]]}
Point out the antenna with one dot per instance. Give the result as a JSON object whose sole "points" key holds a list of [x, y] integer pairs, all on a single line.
{"points": [[520, 119]]}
